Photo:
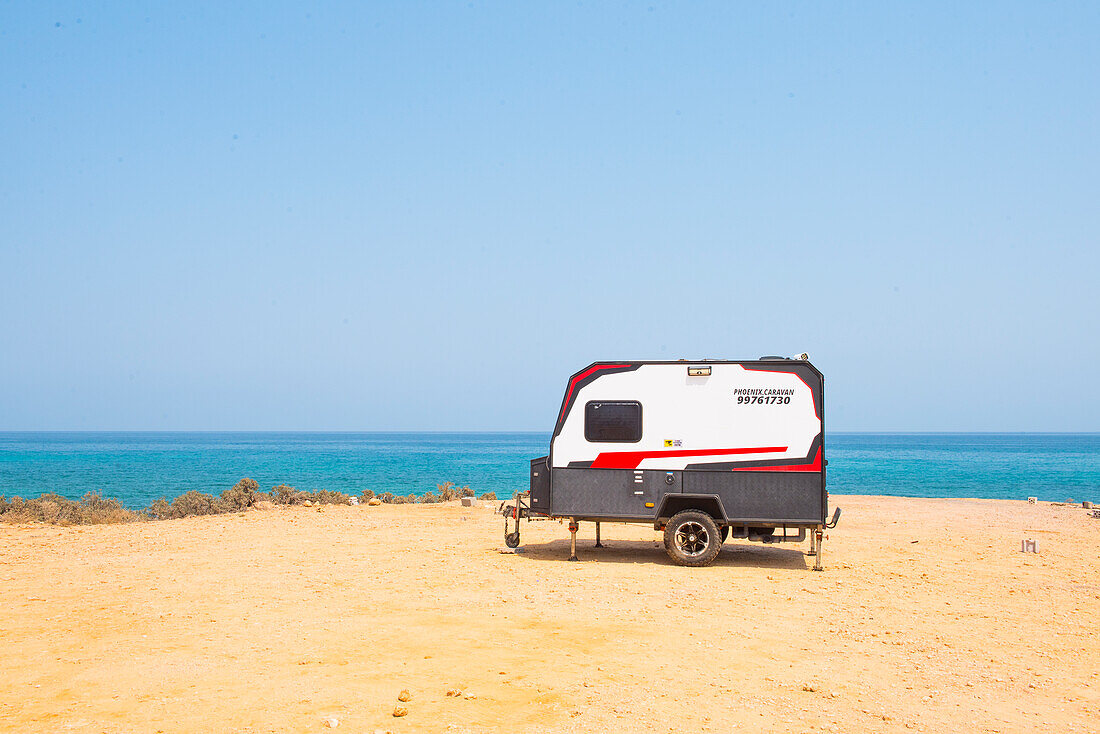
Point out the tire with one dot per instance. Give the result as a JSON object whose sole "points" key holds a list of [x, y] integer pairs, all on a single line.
{"points": [[512, 539], [724, 532], [692, 538]]}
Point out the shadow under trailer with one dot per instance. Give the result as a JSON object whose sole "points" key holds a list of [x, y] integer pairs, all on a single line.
{"points": [[701, 450]]}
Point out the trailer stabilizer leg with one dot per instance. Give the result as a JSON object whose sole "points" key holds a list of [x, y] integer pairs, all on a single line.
{"points": [[813, 544], [819, 537], [573, 540], [598, 543]]}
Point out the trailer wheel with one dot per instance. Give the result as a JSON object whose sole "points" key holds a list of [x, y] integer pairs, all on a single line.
{"points": [[512, 539], [723, 531], [692, 538]]}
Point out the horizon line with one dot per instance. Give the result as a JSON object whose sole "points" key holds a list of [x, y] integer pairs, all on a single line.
{"points": [[485, 431]]}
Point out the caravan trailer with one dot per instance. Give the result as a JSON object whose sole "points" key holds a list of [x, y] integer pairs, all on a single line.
{"points": [[702, 450]]}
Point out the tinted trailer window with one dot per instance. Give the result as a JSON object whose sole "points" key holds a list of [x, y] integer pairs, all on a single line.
{"points": [[613, 421]]}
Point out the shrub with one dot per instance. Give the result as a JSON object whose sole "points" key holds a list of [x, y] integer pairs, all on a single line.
{"points": [[387, 498], [99, 510], [159, 510], [329, 497], [430, 499], [489, 496], [241, 495], [400, 500], [196, 503], [48, 511], [366, 496], [14, 510], [92, 510], [284, 495], [53, 508], [448, 491], [48, 508]]}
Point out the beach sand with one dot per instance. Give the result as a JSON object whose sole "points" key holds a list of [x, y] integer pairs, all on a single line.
{"points": [[927, 617]]}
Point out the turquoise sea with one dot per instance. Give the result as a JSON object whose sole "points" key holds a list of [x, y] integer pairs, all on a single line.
{"points": [[138, 468]]}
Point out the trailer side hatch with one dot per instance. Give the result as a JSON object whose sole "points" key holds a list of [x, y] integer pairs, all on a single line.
{"points": [[540, 485]]}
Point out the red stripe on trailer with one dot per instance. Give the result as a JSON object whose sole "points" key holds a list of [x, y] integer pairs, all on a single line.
{"points": [[578, 378], [631, 459], [815, 465]]}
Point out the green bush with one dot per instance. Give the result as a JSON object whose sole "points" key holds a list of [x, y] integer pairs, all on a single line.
{"points": [[160, 510], [93, 509], [329, 497], [430, 499], [196, 503], [189, 504], [53, 508], [448, 491], [241, 495], [107, 510], [284, 495], [488, 496]]}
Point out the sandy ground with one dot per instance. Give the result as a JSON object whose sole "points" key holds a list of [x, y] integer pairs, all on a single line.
{"points": [[926, 618]]}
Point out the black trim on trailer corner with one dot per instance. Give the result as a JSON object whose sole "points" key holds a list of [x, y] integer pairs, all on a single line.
{"points": [[590, 373], [799, 369]]}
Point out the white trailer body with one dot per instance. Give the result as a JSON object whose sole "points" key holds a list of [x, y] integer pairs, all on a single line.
{"points": [[734, 414]]}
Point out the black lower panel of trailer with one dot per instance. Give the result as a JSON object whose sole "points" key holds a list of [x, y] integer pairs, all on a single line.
{"points": [[745, 496], [764, 495], [608, 492]]}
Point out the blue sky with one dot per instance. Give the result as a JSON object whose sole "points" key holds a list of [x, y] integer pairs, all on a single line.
{"points": [[426, 216]]}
